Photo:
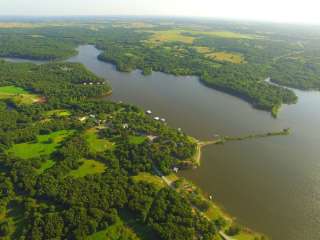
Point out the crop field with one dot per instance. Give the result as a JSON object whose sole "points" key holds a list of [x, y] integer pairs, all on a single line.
{"points": [[88, 167], [18, 95], [44, 145]]}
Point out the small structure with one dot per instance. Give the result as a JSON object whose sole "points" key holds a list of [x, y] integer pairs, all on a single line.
{"points": [[149, 112], [163, 120], [85, 83], [210, 197], [82, 119], [179, 129], [176, 169], [92, 116], [125, 126], [151, 137], [91, 83], [156, 118]]}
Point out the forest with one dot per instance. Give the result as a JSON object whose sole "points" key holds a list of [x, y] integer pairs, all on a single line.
{"points": [[56, 184], [224, 56]]}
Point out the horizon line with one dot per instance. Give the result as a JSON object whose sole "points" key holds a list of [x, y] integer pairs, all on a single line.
{"points": [[230, 19]]}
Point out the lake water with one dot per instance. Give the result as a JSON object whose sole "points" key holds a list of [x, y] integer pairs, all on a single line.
{"points": [[270, 184]]}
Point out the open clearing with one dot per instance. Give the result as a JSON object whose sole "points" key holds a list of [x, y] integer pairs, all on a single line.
{"points": [[149, 178], [18, 95], [88, 167], [226, 34], [44, 145], [97, 144], [137, 139], [46, 165], [170, 36], [235, 58], [58, 112]]}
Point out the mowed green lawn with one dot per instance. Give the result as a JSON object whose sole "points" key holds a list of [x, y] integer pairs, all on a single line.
{"points": [[149, 178], [88, 167], [137, 139], [44, 145], [18, 95], [57, 112], [97, 144]]}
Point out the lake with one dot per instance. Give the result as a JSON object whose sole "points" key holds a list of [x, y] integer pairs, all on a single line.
{"points": [[271, 185]]}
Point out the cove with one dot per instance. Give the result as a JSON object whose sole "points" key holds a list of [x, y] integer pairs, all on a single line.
{"points": [[270, 184]]}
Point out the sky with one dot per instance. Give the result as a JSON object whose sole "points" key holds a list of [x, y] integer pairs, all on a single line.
{"points": [[303, 11]]}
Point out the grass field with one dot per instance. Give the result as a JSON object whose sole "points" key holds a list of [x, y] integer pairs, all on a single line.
{"points": [[95, 143], [58, 112], [44, 145], [200, 49], [46, 165], [226, 34], [18, 95], [88, 167], [137, 139], [149, 178], [170, 36], [235, 58]]}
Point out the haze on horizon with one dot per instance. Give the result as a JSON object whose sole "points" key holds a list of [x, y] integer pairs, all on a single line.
{"points": [[291, 11]]}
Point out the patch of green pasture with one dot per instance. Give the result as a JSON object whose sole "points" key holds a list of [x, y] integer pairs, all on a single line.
{"points": [[137, 139], [149, 178], [17, 95], [44, 145], [12, 90], [57, 112], [227, 34], [88, 167], [170, 36], [247, 235], [97, 144], [46, 165]]}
